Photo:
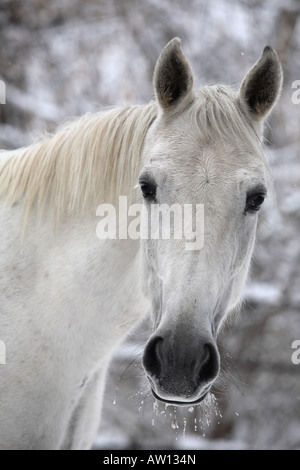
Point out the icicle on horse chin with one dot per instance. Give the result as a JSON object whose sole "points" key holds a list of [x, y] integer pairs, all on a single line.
{"points": [[68, 298]]}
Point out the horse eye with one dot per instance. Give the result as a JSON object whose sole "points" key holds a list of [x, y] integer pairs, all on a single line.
{"points": [[254, 202], [148, 191]]}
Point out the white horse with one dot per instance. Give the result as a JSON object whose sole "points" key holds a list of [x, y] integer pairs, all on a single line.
{"points": [[68, 298]]}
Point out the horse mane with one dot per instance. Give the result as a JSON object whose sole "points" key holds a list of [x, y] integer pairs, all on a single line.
{"points": [[90, 160], [96, 158]]}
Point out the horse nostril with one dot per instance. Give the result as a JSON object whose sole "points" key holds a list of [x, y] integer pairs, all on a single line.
{"points": [[209, 367], [152, 360]]}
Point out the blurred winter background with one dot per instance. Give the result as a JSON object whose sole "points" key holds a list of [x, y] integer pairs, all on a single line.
{"points": [[65, 57]]}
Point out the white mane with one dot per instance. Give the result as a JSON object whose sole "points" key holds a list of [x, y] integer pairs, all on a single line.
{"points": [[97, 157], [90, 160]]}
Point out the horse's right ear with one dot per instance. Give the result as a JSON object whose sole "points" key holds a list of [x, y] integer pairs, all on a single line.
{"points": [[173, 77], [262, 84]]}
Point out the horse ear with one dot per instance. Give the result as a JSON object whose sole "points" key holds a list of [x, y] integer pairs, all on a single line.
{"points": [[262, 84], [173, 77]]}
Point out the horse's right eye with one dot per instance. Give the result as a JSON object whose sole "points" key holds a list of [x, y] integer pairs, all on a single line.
{"points": [[148, 191]]}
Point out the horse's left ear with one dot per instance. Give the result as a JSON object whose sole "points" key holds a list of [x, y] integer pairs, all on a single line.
{"points": [[173, 77], [262, 84]]}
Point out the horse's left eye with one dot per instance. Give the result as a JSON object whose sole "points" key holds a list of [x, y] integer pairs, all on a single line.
{"points": [[254, 202]]}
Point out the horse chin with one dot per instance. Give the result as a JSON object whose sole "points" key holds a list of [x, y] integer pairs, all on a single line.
{"points": [[180, 403]]}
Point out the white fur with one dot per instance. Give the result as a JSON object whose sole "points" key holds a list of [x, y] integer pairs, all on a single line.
{"points": [[60, 320]]}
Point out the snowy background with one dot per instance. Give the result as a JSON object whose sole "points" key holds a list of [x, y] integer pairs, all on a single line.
{"points": [[62, 58]]}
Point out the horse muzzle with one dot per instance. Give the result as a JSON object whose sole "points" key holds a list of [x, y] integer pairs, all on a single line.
{"points": [[181, 372]]}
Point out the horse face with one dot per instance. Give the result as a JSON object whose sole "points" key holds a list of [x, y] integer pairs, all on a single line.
{"points": [[202, 150]]}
